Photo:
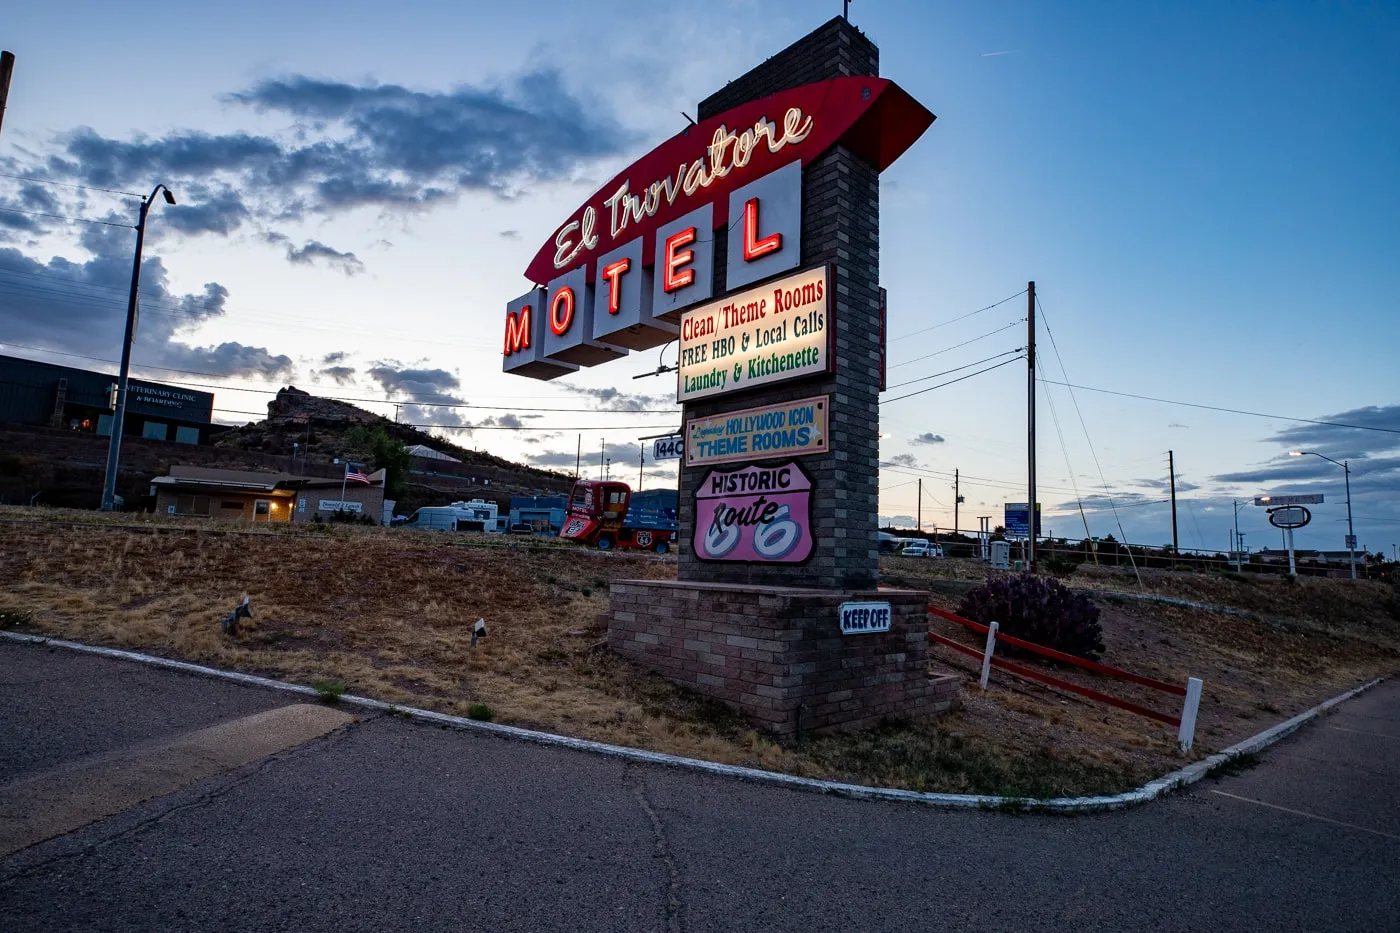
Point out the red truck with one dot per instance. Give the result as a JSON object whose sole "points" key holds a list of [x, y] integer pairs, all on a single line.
{"points": [[606, 515]]}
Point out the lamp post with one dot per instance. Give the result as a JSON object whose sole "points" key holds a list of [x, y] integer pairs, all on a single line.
{"points": [[1346, 470], [114, 446]]}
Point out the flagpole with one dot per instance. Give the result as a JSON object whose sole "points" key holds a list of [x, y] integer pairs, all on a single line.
{"points": [[343, 477]]}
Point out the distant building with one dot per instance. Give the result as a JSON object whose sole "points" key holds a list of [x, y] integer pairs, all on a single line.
{"points": [[424, 452], [35, 393], [239, 495], [545, 514]]}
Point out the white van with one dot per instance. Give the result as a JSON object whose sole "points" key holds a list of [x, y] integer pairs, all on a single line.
{"points": [[922, 549]]}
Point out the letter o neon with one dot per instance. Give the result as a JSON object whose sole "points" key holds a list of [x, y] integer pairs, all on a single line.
{"points": [[557, 322]]}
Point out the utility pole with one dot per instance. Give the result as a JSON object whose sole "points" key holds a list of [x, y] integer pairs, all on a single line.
{"points": [[957, 499], [578, 457], [641, 468], [919, 509], [1171, 468], [602, 453], [1351, 532], [1030, 425], [7, 68], [1237, 532], [114, 446]]}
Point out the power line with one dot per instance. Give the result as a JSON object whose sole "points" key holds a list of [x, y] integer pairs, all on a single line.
{"points": [[65, 184], [343, 398], [945, 372], [949, 382], [76, 220], [961, 317], [1232, 411], [919, 359], [1085, 427]]}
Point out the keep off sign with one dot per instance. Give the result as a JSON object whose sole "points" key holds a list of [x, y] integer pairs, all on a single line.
{"points": [[863, 618]]}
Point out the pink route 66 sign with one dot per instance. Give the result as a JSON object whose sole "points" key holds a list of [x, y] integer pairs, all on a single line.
{"points": [[755, 514]]}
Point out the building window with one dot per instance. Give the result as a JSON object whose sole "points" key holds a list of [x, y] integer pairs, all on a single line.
{"points": [[260, 508], [231, 505], [186, 435], [191, 505], [155, 430]]}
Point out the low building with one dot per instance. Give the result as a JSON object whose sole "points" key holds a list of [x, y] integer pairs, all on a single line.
{"points": [[35, 393], [544, 514], [239, 495]]}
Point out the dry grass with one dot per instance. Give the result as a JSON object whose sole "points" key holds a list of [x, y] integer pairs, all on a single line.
{"points": [[388, 613]]}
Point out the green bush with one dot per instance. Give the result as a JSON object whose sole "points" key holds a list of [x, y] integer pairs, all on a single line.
{"points": [[1037, 609]]}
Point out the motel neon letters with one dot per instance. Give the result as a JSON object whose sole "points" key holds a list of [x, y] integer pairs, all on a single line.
{"points": [[617, 274]]}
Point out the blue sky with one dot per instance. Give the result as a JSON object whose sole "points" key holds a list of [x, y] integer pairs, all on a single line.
{"points": [[1204, 193]]}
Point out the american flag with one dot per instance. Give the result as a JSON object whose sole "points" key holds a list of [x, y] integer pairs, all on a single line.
{"points": [[355, 473]]}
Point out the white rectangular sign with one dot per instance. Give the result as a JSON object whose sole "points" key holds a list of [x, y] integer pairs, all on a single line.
{"points": [[338, 505], [765, 334], [668, 448], [1313, 499], [862, 618]]}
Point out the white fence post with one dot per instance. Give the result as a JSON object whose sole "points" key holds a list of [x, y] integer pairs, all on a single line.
{"points": [[1186, 735], [987, 654]]}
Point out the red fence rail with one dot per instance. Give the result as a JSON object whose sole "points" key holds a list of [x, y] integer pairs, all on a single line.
{"points": [[1185, 732], [1173, 689]]}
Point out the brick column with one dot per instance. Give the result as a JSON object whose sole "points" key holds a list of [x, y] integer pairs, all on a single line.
{"points": [[841, 225]]}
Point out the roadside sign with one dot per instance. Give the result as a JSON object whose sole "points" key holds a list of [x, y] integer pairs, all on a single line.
{"points": [[1290, 516], [862, 618], [1315, 499], [1351, 542], [1017, 519], [668, 448]]}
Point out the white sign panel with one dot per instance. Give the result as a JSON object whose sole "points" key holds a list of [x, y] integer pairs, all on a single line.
{"points": [[863, 618], [758, 336], [1288, 500], [668, 448], [338, 505]]}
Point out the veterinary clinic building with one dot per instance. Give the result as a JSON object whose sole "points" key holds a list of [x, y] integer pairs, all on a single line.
{"points": [[44, 394], [237, 495]]}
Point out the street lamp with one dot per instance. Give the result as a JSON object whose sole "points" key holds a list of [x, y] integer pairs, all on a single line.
{"points": [[114, 446], [1346, 470]]}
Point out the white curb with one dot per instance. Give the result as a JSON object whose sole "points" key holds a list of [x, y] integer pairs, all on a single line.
{"points": [[1149, 791]]}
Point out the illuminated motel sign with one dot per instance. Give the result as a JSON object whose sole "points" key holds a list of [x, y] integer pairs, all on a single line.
{"points": [[634, 267]]}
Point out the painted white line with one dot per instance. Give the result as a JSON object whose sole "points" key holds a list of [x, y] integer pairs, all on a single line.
{"points": [[1378, 735], [1311, 816], [1149, 791]]}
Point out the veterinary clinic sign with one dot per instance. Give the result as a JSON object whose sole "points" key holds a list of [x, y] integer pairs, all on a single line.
{"points": [[767, 334], [787, 430], [755, 515]]}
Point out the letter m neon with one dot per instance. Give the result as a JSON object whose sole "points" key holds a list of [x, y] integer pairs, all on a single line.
{"points": [[517, 331]]}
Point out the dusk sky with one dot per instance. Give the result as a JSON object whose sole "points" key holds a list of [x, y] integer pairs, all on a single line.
{"points": [[1207, 196]]}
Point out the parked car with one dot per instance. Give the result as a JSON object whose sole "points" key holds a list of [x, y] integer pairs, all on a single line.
{"points": [[922, 549]]}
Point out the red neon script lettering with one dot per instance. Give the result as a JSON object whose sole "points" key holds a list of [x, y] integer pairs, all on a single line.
{"points": [[613, 273], [559, 323], [753, 246], [675, 257]]}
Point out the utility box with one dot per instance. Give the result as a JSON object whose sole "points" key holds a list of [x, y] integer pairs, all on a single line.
{"points": [[1001, 555]]}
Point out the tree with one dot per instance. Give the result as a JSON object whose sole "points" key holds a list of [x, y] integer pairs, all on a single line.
{"points": [[386, 453]]}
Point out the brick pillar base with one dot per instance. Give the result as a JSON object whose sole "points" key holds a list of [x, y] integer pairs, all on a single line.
{"points": [[776, 654]]}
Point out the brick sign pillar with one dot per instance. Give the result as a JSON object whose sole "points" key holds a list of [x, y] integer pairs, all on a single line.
{"points": [[840, 225], [765, 637]]}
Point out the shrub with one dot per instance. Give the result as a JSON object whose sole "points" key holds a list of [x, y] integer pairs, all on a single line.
{"points": [[480, 712], [1039, 610]]}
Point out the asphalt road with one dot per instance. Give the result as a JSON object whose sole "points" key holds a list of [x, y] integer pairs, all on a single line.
{"points": [[388, 825]]}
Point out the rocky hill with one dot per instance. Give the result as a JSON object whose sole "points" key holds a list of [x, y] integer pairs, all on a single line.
{"points": [[316, 430]]}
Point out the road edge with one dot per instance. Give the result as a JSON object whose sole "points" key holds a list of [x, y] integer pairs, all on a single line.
{"points": [[1153, 789]]}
